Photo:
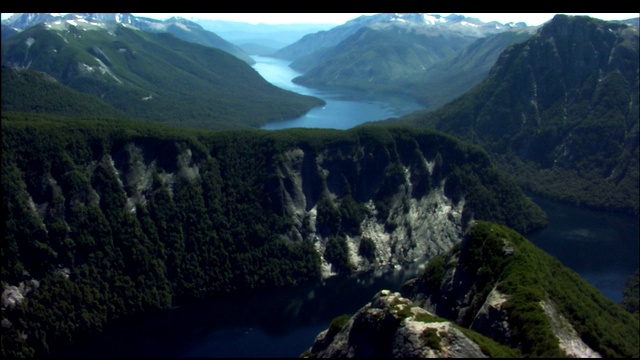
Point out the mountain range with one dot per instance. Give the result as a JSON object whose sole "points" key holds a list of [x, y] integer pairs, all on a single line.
{"points": [[179, 27], [108, 217], [152, 76], [260, 39], [494, 294], [559, 112], [411, 54]]}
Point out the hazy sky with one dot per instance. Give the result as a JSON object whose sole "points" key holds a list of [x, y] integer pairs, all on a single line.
{"points": [[531, 19]]}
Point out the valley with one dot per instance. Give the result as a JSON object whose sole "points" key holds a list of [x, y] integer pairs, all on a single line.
{"points": [[154, 176]]}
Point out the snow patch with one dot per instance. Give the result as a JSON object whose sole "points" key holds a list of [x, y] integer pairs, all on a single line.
{"points": [[182, 26]]}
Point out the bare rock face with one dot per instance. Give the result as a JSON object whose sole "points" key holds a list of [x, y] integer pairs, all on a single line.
{"points": [[392, 326]]}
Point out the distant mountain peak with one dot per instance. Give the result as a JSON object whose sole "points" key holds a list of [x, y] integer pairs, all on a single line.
{"points": [[178, 26]]}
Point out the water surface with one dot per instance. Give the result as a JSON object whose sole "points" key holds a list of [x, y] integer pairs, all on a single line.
{"points": [[343, 110]]}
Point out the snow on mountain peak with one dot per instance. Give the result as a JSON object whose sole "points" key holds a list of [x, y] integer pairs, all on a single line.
{"points": [[434, 19]]}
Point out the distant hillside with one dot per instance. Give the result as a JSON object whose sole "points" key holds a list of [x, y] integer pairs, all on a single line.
{"points": [[448, 78], [261, 39], [35, 92], [8, 31], [430, 58], [428, 66], [181, 28], [459, 25], [559, 112], [153, 76]]}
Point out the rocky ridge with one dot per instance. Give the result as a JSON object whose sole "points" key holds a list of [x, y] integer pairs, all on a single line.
{"points": [[393, 326]]}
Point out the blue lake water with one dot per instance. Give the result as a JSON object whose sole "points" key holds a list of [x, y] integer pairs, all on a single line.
{"points": [[601, 247], [343, 110]]}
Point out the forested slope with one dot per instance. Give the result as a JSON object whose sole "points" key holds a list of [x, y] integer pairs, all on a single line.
{"points": [[149, 76], [559, 113], [107, 219]]}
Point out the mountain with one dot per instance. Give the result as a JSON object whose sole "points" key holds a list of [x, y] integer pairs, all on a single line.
{"points": [[36, 92], [450, 77], [152, 76], [430, 58], [8, 31], [399, 60], [108, 219], [180, 27], [452, 24], [260, 39], [559, 113], [494, 294]]}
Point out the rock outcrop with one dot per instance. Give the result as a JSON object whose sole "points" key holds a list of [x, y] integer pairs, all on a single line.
{"points": [[492, 295], [392, 326]]}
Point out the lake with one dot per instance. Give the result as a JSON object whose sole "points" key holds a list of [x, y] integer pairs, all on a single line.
{"points": [[342, 111], [601, 247]]}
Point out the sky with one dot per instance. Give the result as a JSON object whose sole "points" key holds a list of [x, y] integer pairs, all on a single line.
{"points": [[531, 19]]}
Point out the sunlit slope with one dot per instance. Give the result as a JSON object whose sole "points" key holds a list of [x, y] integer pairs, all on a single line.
{"points": [[559, 112], [154, 76]]}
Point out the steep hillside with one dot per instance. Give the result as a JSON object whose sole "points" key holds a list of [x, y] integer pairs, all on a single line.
{"points": [[179, 27], [499, 284], [391, 326], [265, 36], [432, 59], [107, 219], [453, 24], [494, 284], [36, 92], [154, 76], [377, 55], [448, 78], [559, 112]]}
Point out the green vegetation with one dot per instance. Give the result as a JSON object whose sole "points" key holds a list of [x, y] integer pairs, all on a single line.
{"points": [[367, 249], [494, 256], [108, 219], [559, 127], [431, 338], [148, 76], [431, 69], [337, 253], [35, 92], [337, 324], [490, 347], [631, 296]]}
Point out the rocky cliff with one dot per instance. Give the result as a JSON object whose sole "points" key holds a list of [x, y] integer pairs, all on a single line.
{"points": [[120, 218], [559, 112], [493, 284], [392, 326]]}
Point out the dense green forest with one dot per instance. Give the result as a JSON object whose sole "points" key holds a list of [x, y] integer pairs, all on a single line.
{"points": [[36, 92], [495, 258], [149, 76], [107, 219], [558, 113]]}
